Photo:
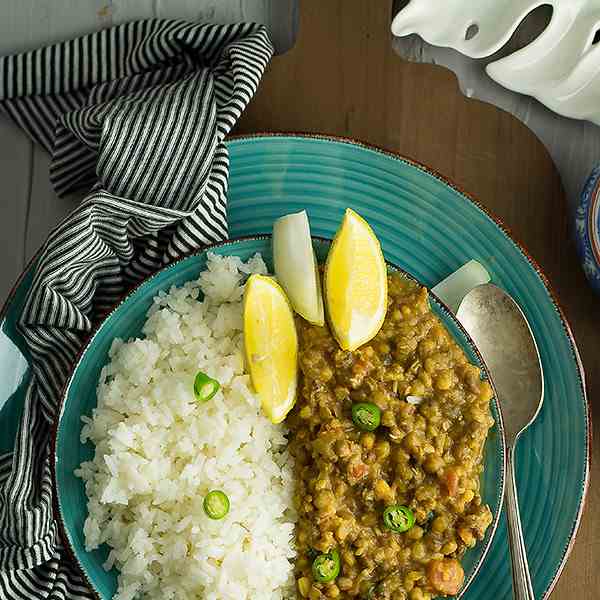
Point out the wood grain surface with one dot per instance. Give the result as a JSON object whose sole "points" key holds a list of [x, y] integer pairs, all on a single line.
{"points": [[342, 77]]}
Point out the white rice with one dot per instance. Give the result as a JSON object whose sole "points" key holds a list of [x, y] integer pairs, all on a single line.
{"points": [[158, 452]]}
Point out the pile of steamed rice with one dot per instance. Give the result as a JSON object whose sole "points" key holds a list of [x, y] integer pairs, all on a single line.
{"points": [[158, 452]]}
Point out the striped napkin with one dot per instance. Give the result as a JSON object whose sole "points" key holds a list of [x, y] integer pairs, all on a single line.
{"points": [[138, 114]]}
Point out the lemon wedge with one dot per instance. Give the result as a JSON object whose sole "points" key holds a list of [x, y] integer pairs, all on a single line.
{"points": [[355, 283], [296, 266], [271, 346]]}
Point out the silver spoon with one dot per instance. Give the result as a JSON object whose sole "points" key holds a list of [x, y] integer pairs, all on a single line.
{"points": [[503, 336]]}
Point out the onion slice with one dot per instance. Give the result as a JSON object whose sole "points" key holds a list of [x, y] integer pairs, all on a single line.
{"points": [[296, 266], [414, 400], [456, 286]]}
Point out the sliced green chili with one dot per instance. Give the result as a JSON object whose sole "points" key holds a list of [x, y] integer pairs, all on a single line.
{"points": [[366, 416], [205, 387], [326, 567], [216, 504], [398, 518]]}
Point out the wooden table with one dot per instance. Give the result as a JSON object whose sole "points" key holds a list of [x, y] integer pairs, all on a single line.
{"points": [[343, 78]]}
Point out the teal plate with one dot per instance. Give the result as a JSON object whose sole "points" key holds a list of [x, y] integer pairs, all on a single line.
{"points": [[429, 228], [126, 322]]}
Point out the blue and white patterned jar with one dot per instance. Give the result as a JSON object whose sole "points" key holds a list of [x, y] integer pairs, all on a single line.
{"points": [[587, 229]]}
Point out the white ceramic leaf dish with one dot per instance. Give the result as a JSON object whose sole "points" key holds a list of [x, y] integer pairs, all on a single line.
{"points": [[561, 67]]}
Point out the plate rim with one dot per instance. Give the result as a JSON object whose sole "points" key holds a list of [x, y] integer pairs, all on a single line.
{"points": [[325, 137]]}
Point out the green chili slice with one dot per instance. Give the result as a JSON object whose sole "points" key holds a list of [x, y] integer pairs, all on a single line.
{"points": [[326, 567], [366, 416], [205, 387], [398, 518], [216, 504]]}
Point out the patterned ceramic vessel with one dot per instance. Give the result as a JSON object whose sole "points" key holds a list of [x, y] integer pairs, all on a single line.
{"points": [[587, 229]]}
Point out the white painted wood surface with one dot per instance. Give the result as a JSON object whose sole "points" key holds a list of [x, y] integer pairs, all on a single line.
{"points": [[29, 206]]}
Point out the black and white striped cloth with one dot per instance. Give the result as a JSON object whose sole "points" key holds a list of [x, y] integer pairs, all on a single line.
{"points": [[138, 114]]}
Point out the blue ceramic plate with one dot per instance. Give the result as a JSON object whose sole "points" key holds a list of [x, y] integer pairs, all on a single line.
{"points": [[430, 228], [125, 322]]}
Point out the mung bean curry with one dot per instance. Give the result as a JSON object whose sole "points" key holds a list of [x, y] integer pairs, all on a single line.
{"points": [[388, 443]]}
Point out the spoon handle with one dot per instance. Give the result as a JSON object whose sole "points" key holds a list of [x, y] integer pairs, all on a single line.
{"points": [[522, 588]]}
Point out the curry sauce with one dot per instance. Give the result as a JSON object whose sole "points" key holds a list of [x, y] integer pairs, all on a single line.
{"points": [[425, 455]]}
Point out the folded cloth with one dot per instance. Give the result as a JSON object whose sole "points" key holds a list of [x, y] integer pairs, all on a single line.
{"points": [[139, 112]]}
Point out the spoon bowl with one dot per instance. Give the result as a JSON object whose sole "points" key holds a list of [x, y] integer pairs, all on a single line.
{"points": [[503, 336], [501, 332]]}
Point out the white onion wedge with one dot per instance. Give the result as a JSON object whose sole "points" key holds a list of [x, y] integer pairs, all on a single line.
{"points": [[414, 400], [456, 286], [296, 266]]}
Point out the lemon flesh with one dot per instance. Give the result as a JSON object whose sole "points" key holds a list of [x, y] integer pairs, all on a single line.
{"points": [[270, 346], [296, 266], [355, 283]]}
